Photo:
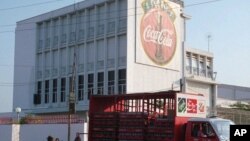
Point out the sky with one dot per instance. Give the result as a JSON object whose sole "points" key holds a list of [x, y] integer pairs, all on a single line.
{"points": [[226, 21]]}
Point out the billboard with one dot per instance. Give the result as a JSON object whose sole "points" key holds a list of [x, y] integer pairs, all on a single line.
{"points": [[190, 105], [157, 31]]}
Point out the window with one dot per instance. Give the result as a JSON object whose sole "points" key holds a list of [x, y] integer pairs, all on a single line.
{"points": [[54, 96], [209, 68], [81, 34], [40, 45], [188, 63], [63, 38], [55, 42], [46, 98], [37, 97], [72, 37], [39, 87], [80, 87], [202, 67], [111, 27], [90, 85], [201, 130], [47, 43], [100, 83], [195, 64], [91, 32], [63, 88], [122, 24], [111, 82], [122, 81], [195, 129], [101, 29]]}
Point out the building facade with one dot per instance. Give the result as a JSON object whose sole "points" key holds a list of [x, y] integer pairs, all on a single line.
{"points": [[106, 47], [200, 76], [231, 94]]}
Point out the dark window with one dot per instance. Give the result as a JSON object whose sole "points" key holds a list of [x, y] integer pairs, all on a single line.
{"points": [[111, 82], [46, 98], [122, 81], [37, 97], [100, 83], [90, 84], [63, 87], [80, 87], [39, 88], [54, 97]]}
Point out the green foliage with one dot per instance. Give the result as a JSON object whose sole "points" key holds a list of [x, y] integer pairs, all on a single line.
{"points": [[241, 106]]}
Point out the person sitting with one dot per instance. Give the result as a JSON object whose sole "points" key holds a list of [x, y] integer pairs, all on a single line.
{"points": [[195, 130], [201, 133]]}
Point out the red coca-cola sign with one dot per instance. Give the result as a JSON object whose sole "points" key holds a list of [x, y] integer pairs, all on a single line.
{"points": [[158, 35]]}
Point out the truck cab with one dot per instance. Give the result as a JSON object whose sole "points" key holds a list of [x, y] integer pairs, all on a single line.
{"points": [[207, 129]]}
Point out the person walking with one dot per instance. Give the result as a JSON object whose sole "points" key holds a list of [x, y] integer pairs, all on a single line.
{"points": [[77, 138], [50, 138]]}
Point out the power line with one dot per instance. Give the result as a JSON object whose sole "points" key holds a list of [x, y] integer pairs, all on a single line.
{"points": [[3, 65], [202, 3], [29, 5], [103, 13]]}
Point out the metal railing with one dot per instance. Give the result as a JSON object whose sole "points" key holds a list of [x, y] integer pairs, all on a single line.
{"points": [[238, 116]]}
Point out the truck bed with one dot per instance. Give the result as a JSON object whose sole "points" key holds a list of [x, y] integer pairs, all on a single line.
{"points": [[132, 117]]}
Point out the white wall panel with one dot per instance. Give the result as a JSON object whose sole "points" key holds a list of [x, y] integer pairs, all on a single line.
{"points": [[55, 27], [200, 88], [111, 48], [55, 61], [47, 60], [111, 11], [122, 45], [123, 8], [81, 54], [81, 20], [90, 52], [71, 55], [72, 24], [100, 50], [40, 61], [63, 57]]}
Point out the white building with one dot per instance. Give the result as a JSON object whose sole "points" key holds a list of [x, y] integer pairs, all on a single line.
{"points": [[119, 46], [231, 94]]}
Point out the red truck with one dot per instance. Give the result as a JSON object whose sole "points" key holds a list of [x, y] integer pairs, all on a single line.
{"points": [[161, 116]]}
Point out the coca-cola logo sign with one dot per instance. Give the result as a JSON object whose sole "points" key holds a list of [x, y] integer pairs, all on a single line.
{"points": [[158, 35]]}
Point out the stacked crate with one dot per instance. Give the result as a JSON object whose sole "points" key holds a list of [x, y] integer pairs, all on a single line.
{"points": [[131, 126], [104, 126], [160, 130]]}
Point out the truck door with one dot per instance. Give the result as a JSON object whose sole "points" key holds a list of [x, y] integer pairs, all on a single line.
{"points": [[201, 131]]}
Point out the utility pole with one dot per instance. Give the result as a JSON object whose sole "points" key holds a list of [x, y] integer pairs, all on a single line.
{"points": [[72, 97], [183, 53], [209, 36]]}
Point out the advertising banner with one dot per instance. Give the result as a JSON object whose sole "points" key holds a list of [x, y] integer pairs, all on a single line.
{"points": [[157, 27], [190, 105]]}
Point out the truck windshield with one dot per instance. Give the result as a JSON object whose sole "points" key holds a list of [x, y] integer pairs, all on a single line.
{"points": [[222, 128]]}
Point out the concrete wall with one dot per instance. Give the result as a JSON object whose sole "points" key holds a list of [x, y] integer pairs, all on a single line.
{"points": [[24, 71], [5, 132], [39, 132], [202, 88]]}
